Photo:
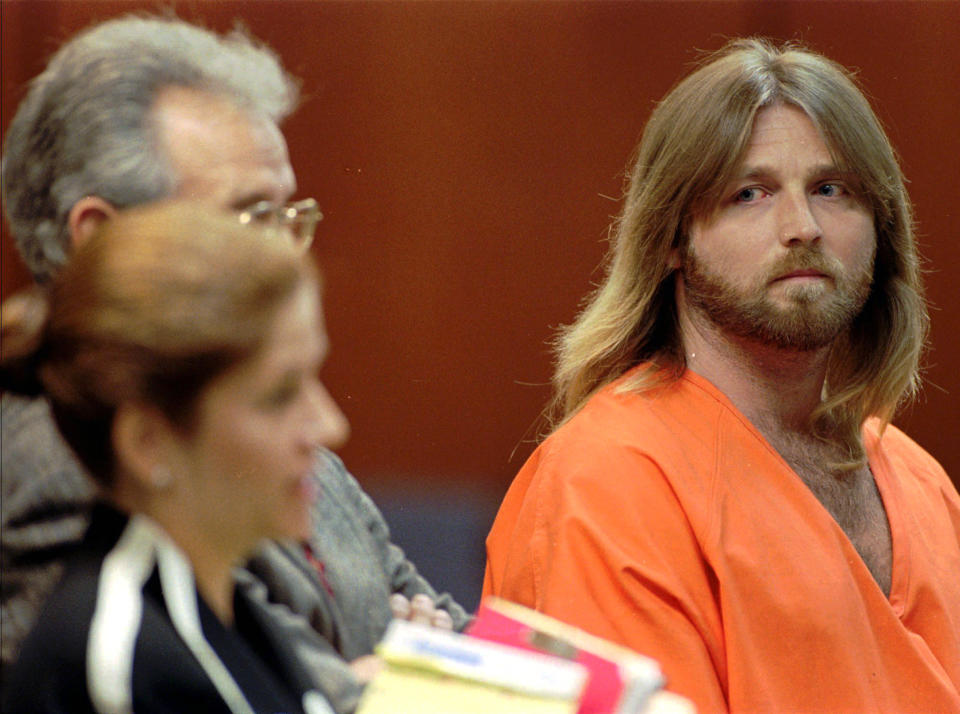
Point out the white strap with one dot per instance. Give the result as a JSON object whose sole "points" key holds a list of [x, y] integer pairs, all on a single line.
{"points": [[116, 619]]}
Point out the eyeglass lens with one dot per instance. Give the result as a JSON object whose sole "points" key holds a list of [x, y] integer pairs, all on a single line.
{"points": [[299, 218]]}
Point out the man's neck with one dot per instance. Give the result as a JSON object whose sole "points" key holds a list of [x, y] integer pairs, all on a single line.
{"points": [[775, 388], [778, 390]]}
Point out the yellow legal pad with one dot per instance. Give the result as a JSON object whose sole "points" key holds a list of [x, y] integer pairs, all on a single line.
{"points": [[396, 690], [428, 671]]}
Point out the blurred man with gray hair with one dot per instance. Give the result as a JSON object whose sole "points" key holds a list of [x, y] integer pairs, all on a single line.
{"points": [[130, 111]]}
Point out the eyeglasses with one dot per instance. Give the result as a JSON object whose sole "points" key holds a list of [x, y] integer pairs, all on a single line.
{"points": [[299, 218]]}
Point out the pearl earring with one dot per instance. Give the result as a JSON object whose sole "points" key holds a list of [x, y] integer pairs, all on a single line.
{"points": [[161, 477]]}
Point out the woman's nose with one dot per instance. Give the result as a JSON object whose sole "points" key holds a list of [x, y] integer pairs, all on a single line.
{"points": [[329, 426]]}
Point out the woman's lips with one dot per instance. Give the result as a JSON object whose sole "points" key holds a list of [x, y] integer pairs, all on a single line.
{"points": [[306, 487]]}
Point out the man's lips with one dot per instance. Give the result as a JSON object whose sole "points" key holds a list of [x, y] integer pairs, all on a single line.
{"points": [[804, 273]]}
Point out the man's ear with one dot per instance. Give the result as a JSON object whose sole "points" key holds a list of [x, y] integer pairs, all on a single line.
{"points": [[673, 259], [142, 441], [85, 217]]}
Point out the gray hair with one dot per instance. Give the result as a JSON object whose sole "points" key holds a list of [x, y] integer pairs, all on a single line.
{"points": [[84, 127]]}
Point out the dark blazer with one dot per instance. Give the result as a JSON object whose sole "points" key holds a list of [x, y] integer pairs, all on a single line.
{"points": [[125, 630], [330, 613]]}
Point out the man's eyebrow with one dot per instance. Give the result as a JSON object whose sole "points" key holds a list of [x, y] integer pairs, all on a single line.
{"points": [[762, 171], [832, 170], [247, 200]]}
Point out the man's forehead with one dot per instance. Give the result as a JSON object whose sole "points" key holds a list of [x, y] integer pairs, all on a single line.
{"points": [[221, 151], [191, 108], [778, 133]]}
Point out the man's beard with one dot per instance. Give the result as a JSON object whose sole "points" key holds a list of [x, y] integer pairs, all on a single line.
{"points": [[806, 320]]}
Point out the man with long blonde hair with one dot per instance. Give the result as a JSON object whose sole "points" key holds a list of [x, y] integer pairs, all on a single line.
{"points": [[722, 488]]}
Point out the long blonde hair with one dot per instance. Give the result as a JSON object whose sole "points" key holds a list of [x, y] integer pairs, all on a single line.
{"points": [[690, 148]]}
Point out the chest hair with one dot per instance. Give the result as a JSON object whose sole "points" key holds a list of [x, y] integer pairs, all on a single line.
{"points": [[851, 497]]}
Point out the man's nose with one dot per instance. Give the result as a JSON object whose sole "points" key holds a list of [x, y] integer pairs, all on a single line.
{"points": [[797, 222]]}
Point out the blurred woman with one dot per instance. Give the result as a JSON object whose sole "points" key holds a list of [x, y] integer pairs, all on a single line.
{"points": [[180, 352]]}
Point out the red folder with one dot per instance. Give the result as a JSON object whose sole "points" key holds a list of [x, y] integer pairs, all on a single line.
{"points": [[620, 680]]}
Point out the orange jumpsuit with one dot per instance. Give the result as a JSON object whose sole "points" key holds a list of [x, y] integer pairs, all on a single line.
{"points": [[665, 522]]}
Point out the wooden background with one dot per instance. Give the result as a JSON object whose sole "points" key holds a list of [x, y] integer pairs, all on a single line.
{"points": [[469, 157]]}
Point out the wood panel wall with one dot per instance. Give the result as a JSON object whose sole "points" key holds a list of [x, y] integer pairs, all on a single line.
{"points": [[469, 157]]}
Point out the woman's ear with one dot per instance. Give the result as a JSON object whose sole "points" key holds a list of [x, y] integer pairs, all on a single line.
{"points": [[86, 216], [143, 443]]}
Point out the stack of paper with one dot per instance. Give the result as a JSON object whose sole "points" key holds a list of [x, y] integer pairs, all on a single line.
{"points": [[512, 660], [430, 671]]}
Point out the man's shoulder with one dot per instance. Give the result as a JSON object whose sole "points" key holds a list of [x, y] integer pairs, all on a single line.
{"points": [[22, 415], [38, 467], [661, 416], [340, 495], [903, 453], [29, 433]]}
